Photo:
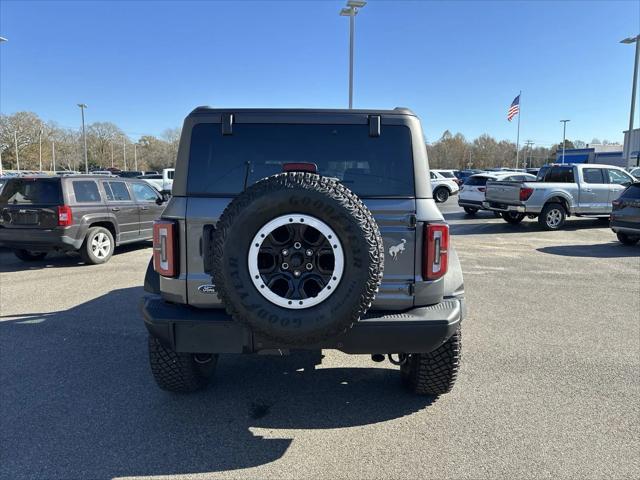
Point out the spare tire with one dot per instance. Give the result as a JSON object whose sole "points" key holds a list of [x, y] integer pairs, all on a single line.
{"points": [[297, 257]]}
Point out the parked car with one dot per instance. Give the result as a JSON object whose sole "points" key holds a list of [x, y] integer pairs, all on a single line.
{"points": [[561, 190], [129, 173], [635, 172], [297, 250], [625, 217], [90, 214], [67, 172], [464, 174], [450, 174], [102, 172], [161, 182], [472, 193], [533, 171], [442, 187]]}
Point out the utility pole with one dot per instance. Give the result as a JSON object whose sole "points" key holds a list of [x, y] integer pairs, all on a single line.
{"points": [[84, 138], [528, 143], [15, 141], [111, 153], [135, 156], [564, 136], [124, 152], [53, 156], [1, 159]]}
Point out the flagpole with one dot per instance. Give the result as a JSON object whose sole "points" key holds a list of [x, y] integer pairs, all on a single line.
{"points": [[518, 136]]}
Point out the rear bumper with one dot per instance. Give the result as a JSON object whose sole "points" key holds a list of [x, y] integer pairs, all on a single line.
{"points": [[40, 239], [186, 329], [625, 227], [503, 207], [470, 203]]}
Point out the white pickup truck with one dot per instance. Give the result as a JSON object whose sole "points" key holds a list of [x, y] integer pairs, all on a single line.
{"points": [[161, 182], [560, 190]]}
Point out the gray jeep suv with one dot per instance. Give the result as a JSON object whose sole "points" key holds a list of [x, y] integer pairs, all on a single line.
{"points": [[303, 229], [90, 214]]}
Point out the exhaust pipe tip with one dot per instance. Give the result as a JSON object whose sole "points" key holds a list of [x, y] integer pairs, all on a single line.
{"points": [[377, 357]]}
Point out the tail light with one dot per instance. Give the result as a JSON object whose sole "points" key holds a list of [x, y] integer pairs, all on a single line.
{"points": [[65, 216], [525, 193], [482, 189], [300, 167], [435, 255], [164, 248], [616, 203]]}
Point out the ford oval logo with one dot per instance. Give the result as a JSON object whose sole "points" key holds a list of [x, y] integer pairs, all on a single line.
{"points": [[207, 289]]}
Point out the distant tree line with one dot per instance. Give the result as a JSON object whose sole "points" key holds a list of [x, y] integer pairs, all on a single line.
{"points": [[26, 139], [456, 152], [23, 136]]}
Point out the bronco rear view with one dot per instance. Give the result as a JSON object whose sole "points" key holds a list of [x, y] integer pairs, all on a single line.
{"points": [[303, 230]]}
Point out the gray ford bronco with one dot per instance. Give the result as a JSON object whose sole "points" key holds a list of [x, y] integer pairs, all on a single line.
{"points": [[303, 230]]}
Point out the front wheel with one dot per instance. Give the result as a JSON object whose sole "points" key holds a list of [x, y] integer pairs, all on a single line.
{"points": [[552, 217], [470, 211], [29, 255], [97, 246], [627, 239], [513, 217], [180, 372], [441, 194], [433, 373]]}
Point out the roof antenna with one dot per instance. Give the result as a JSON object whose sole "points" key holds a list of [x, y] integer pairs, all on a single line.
{"points": [[246, 173]]}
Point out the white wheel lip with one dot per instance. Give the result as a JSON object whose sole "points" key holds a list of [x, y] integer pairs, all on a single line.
{"points": [[303, 219]]}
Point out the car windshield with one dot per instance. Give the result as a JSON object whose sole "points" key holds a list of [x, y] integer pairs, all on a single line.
{"points": [[31, 191], [370, 166]]}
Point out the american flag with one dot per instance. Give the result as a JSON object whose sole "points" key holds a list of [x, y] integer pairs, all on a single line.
{"points": [[514, 109]]}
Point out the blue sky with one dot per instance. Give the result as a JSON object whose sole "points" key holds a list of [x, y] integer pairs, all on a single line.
{"points": [[144, 65]]}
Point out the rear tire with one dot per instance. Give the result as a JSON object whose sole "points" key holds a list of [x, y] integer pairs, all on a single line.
{"points": [[513, 217], [470, 211], [180, 372], [98, 246], [552, 216], [441, 194], [433, 373], [627, 239], [29, 255]]}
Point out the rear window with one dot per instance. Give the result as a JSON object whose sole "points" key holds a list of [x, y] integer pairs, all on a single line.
{"points": [[86, 191], [633, 192], [447, 174], [170, 174], [370, 166], [22, 191], [476, 181], [558, 175]]}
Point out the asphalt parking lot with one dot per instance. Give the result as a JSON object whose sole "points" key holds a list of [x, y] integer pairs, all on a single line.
{"points": [[549, 386]]}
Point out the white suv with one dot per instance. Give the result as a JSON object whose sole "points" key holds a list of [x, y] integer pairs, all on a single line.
{"points": [[474, 188], [442, 187]]}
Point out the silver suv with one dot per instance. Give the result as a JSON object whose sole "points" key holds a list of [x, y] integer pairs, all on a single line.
{"points": [[303, 229]]}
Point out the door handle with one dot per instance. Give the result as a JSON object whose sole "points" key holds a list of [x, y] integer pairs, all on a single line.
{"points": [[588, 190], [115, 209], [144, 208]]}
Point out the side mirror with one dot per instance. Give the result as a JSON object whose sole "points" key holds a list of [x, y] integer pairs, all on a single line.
{"points": [[160, 200]]}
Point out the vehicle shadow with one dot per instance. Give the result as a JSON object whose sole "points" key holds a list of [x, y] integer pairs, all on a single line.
{"points": [[599, 250], [78, 400], [10, 263], [499, 226]]}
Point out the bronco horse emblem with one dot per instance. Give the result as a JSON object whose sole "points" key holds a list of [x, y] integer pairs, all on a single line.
{"points": [[395, 250]]}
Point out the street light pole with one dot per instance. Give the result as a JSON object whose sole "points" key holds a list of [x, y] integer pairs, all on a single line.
{"points": [[135, 156], [124, 152], [564, 136], [635, 40], [351, 10], [84, 138], [53, 156], [15, 141], [111, 153], [40, 147]]}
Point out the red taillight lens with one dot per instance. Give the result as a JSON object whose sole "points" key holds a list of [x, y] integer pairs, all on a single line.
{"points": [[300, 167], [435, 255], [165, 248], [482, 189], [525, 193], [65, 216]]}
